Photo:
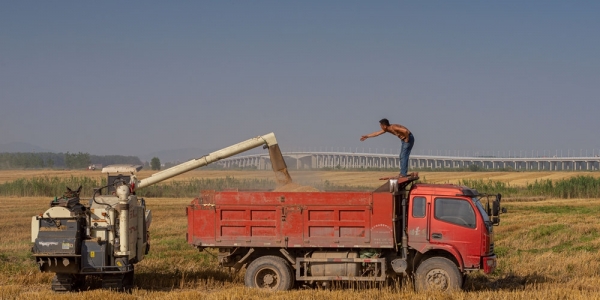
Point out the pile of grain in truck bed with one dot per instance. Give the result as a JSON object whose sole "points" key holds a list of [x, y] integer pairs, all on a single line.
{"points": [[294, 187]]}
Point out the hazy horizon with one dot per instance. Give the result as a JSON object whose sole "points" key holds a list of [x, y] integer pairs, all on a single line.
{"points": [[134, 78]]}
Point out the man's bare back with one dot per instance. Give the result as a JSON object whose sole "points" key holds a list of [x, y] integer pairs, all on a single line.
{"points": [[396, 129]]}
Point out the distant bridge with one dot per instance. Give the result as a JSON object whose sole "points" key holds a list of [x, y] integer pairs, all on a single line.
{"points": [[343, 160]]}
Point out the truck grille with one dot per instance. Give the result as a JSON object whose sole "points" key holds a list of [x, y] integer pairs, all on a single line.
{"points": [[491, 247]]}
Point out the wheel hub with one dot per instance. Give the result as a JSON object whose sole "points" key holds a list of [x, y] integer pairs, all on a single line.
{"points": [[438, 279], [269, 279]]}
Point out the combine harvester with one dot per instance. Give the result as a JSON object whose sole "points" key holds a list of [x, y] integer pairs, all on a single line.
{"points": [[109, 236]]}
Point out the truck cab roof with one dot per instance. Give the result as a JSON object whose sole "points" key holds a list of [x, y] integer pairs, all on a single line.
{"points": [[443, 190]]}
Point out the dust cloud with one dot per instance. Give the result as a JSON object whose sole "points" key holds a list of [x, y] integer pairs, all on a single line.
{"points": [[294, 187]]}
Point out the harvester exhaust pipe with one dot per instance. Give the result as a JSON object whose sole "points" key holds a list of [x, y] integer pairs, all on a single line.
{"points": [[123, 193]]}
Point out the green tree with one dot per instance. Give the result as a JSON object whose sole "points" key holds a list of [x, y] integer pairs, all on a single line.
{"points": [[474, 168], [50, 163], [77, 161], [155, 163]]}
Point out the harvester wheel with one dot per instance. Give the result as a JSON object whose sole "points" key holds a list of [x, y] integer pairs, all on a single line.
{"points": [[79, 281], [118, 282], [128, 281], [269, 272], [438, 274], [67, 282]]}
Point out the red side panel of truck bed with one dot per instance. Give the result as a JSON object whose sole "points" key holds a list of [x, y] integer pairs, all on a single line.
{"points": [[291, 219]]}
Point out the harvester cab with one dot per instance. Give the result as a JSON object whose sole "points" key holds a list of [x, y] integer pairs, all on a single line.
{"points": [[118, 175]]}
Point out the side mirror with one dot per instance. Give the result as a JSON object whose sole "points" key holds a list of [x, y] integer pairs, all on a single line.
{"points": [[496, 210]]}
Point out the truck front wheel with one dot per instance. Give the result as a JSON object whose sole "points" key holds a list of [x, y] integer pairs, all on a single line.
{"points": [[437, 274], [269, 272]]}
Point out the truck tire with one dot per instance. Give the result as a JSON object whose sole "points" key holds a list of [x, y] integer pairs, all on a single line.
{"points": [[438, 274], [269, 272]]}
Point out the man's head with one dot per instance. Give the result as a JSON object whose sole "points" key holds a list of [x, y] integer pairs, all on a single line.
{"points": [[384, 123]]}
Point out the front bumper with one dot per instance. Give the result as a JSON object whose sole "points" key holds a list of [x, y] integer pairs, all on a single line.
{"points": [[489, 264]]}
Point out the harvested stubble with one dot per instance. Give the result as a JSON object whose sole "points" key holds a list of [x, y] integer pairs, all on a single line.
{"points": [[546, 250], [341, 177]]}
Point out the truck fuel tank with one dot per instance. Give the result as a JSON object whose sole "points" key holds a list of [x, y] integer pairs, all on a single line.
{"points": [[334, 269]]}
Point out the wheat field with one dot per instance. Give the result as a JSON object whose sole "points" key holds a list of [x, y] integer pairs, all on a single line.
{"points": [[546, 249], [364, 178]]}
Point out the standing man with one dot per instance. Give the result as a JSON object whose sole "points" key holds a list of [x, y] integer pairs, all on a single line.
{"points": [[407, 138]]}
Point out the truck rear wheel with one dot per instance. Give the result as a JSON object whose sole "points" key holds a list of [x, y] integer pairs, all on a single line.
{"points": [[269, 272], [438, 274]]}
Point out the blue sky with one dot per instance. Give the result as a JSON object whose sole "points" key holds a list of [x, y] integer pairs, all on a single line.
{"points": [[115, 77]]}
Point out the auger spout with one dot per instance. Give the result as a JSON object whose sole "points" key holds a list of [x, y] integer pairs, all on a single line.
{"points": [[277, 161]]}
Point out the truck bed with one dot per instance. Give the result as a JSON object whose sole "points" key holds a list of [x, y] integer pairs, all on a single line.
{"points": [[291, 219]]}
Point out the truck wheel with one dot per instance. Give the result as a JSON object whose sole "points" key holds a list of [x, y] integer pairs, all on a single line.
{"points": [[437, 274], [269, 272]]}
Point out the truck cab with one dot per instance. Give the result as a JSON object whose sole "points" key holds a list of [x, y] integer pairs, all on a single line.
{"points": [[449, 222]]}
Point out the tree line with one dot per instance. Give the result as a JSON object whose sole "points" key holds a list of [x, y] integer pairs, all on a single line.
{"points": [[49, 160]]}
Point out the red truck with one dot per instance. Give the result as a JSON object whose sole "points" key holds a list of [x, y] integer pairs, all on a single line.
{"points": [[435, 233]]}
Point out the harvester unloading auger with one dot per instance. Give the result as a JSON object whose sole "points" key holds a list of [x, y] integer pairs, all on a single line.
{"points": [[108, 236]]}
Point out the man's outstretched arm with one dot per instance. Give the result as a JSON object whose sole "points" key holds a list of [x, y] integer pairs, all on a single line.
{"points": [[372, 134]]}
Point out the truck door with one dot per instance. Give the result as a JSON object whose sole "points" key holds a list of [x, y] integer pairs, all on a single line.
{"points": [[417, 222], [453, 222]]}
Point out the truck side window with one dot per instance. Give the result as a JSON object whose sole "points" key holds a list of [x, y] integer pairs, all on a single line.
{"points": [[418, 209], [455, 211]]}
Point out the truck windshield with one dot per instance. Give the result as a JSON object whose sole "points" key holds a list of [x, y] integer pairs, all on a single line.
{"points": [[482, 211]]}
